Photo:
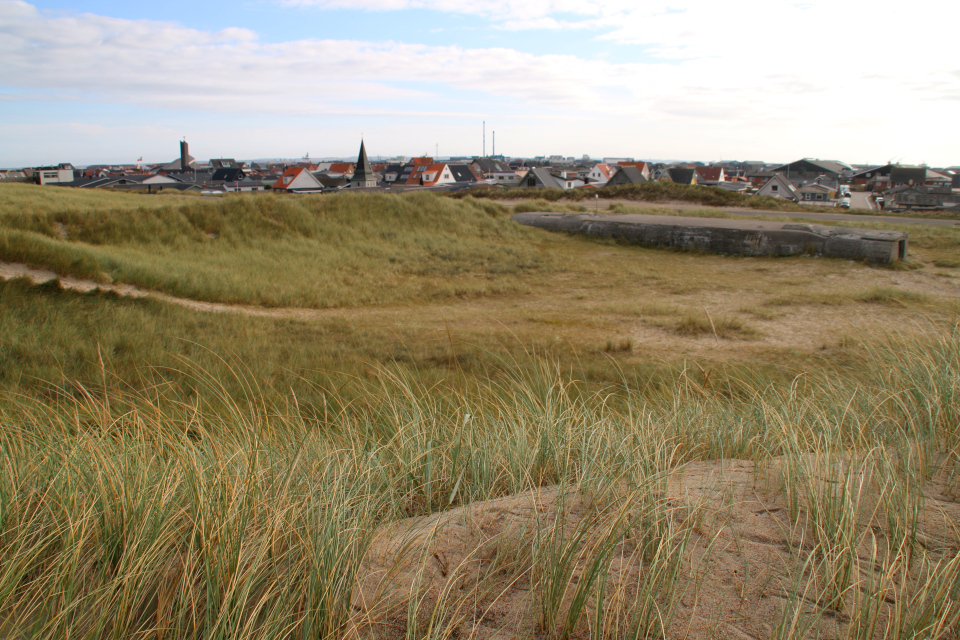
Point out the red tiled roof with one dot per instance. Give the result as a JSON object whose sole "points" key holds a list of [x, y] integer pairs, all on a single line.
{"points": [[341, 167], [292, 171], [435, 169], [606, 170], [417, 163]]}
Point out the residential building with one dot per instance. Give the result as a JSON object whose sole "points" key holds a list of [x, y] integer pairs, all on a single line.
{"points": [[600, 173], [681, 175], [297, 179], [342, 168], [909, 176], [410, 173], [873, 175], [627, 174], [814, 193], [779, 187], [910, 196], [539, 177], [494, 171], [758, 178], [225, 163], [54, 175], [710, 175], [644, 167], [810, 170], [442, 173], [232, 174]]}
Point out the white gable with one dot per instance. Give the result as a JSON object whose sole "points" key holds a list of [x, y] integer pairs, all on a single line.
{"points": [[304, 180]]}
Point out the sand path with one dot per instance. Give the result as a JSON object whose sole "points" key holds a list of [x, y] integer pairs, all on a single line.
{"points": [[10, 270]]}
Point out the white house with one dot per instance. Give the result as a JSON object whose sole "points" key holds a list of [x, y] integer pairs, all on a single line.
{"points": [[297, 179], [601, 173], [54, 175], [437, 174]]}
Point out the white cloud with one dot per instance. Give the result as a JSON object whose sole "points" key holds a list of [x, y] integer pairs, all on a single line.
{"points": [[818, 78], [158, 64]]}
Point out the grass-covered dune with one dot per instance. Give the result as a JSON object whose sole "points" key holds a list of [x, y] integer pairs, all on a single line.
{"points": [[346, 250], [31, 199], [481, 430], [127, 514]]}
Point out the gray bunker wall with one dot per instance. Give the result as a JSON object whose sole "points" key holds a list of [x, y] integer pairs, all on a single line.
{"points": [[735, 237]]}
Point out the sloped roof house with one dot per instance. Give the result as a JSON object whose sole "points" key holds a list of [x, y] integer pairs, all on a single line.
{"points": [[297, 179]]}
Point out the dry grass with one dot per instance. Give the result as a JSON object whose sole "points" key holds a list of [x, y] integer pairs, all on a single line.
{"points": [[156, 515], [890, 296], [319, 252], [607, 450]]}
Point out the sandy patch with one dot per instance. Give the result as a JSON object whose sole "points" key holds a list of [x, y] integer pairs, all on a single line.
{"points": [[473, 572]]}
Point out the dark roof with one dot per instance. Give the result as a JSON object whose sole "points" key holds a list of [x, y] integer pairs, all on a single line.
{"points": [[831, 166], [627, 175], [681, 175], [904, 175], [874, 171], [191, 176], [328, 180], [393, 168], [82, 181], [226, 163], [540, 177], [228, 175], [462, 173]]}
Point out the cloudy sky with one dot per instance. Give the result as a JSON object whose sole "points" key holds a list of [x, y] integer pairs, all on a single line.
{"points": [[111, 81]]}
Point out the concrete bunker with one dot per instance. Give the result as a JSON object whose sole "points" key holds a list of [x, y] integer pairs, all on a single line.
{"points": [[734, 237]]}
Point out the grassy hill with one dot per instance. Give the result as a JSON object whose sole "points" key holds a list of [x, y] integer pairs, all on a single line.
{"points": [[347, 250], [477, 430]]}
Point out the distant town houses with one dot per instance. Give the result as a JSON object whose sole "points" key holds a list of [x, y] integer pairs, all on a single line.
{"points": [[811, 181]]}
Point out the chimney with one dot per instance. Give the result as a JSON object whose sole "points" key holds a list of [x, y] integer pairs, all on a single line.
{"points": [[184, 154]]}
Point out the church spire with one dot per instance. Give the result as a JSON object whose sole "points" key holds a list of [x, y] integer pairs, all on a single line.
{"points": [[363, 175]]}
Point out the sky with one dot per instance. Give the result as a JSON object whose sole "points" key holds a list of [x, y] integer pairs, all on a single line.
{"points": [[776, 80]]}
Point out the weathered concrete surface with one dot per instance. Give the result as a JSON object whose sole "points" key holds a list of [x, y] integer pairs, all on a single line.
{"points": [[737, 237]]}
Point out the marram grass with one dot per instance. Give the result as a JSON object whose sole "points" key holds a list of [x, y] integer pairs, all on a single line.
{"points": [[130, 514]]}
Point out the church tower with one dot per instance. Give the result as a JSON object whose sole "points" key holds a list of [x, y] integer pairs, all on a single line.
{"points": [[363, 176]]}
